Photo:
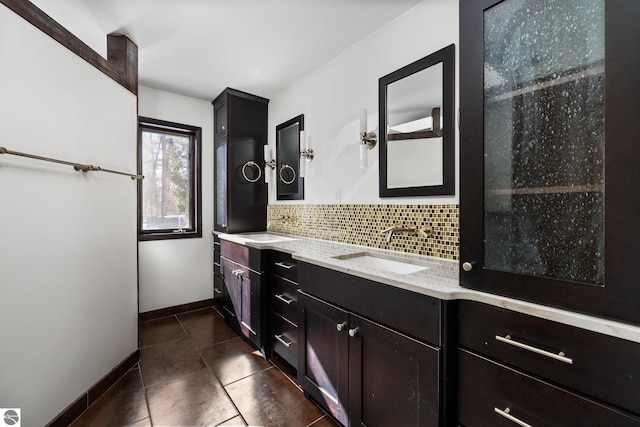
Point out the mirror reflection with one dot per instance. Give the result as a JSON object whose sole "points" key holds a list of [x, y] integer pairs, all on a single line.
{"points": [[416, 147], [289, 184]]}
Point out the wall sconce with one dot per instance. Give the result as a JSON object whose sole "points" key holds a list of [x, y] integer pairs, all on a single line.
{"points": [[368, 140], [306, 153], [268, 154]]}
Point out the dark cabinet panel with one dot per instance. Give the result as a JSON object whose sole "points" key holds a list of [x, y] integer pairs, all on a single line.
{"points": [[240, 135], [597, 365], [323, 355], [284, 298], [243, 301], [285, 338], [548, 152], [414, 314], [230, 293], [283, 302], [364, 373], [493, 395], [218, 281], [393, 379], [283, 265]]}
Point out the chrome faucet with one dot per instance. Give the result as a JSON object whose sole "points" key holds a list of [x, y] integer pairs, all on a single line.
{"points": [[424, 231]]}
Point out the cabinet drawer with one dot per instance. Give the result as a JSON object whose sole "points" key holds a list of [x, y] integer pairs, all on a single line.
{"points": [[595, 364], [285, 339], [244, 255], [284, 265], [412, 313], [217, 286], [284, 298], [486, 387]]}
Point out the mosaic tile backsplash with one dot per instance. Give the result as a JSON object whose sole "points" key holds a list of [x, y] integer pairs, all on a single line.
{"points": [[362, 224]]}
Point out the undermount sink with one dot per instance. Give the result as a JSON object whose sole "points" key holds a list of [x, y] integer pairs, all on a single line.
{"points": [[381, 262], [265, 238]]}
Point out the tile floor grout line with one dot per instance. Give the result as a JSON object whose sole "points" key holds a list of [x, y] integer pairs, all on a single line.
{"points": [[146, 400], [318, 420], [223, 387], [298, 386]]}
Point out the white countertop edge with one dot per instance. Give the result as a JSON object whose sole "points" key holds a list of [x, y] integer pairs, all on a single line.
{"points": [[579, 320], [451, 292]]}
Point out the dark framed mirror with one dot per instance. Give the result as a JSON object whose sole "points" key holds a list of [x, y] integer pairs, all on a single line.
{"points": [[289, 184], [417, 136]]}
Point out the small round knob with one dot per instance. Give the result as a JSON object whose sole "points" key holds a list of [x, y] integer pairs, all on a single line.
{"points": [[341, 326], [468, 266], [353, 332]]}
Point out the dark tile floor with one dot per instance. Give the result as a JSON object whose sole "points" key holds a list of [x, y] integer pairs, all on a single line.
{"points": [[195, 370]]}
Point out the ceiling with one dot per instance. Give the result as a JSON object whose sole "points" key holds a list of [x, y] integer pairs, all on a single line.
{"points": [[199, 47]]}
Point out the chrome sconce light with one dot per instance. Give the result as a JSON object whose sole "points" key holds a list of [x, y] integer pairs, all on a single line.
{"points": [[368, 140], [306, 153], [268, 154]]}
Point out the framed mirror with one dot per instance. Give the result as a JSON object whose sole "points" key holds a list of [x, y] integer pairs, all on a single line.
{"points": [[289, 184], [417, 137]]}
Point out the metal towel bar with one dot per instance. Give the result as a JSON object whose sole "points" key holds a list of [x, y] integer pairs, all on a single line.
{"points": [[76, 166]]}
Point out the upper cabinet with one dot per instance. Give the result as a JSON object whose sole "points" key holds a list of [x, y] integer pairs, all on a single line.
{"points": [[549, 151], [240, 123]]}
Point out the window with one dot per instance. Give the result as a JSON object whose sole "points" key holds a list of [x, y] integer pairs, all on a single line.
{"points": [[169, 196]]}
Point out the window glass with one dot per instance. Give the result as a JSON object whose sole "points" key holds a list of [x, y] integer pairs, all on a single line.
{"points": [[169, 161]]}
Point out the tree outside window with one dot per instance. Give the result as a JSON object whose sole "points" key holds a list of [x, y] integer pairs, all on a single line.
{"points": [[169, 196]]}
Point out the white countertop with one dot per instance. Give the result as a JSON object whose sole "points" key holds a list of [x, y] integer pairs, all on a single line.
{"points": [[439, 280]]}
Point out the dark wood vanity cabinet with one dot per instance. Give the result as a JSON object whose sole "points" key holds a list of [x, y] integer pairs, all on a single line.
{"points": [[240, 121], [549, 152], [218, 283], [242, 296], [513, 366], [283, 306], [369, 353]]}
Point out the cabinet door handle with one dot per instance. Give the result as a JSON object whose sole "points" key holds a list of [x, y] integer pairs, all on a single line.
{"points": [[217, 291], [559, 356], [510, 417], [353, 332], [282, 298], [283, 265], [286, 344], [341, 326]]}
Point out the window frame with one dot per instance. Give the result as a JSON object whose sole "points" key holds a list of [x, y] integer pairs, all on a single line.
{"points": [[195, 207]]}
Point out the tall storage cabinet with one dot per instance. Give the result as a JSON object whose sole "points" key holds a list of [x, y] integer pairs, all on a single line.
{"points": [[240, 123], [549, 152]]}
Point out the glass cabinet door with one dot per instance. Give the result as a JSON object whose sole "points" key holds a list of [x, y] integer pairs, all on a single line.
{"points": [[544, 138], [541, 150]]}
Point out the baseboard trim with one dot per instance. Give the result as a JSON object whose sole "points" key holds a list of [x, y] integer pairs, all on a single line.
{"points": [[176, 309], [75, 409]]}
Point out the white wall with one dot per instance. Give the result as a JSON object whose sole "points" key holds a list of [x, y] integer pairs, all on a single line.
{"points": [[332, 95], [180, 271], [68, 291]]}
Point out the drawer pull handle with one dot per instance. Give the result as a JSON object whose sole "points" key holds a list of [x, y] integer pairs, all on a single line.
{"points": [[283, 299], [341, 326], [217, 291], [286, 344], [559, 356], [353, 332], [217, 264], [510, 417], [283, 265]]}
